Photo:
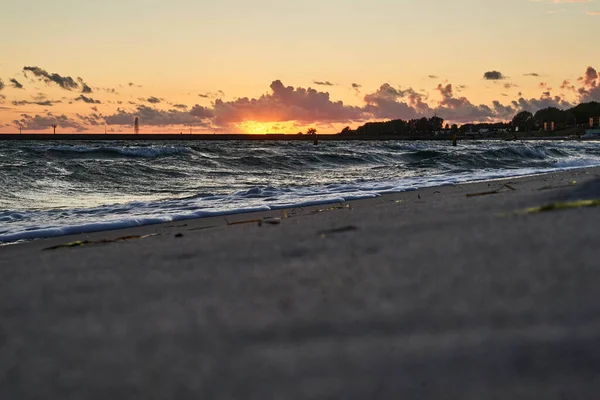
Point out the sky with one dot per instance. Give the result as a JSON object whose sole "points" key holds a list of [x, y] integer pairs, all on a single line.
{"points": [[260, 66]]}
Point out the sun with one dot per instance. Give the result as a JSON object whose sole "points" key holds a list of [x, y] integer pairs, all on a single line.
{"points": [[263, 128]]}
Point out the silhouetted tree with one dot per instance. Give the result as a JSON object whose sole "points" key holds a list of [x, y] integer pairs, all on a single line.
{"points": [[521, 120], [311, 131]]}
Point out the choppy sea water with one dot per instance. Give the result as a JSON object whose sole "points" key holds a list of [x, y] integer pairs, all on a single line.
{"points": [[52, 189]]}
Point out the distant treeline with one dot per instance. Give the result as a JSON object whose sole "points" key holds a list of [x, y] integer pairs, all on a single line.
{"points": [[525, 121]]}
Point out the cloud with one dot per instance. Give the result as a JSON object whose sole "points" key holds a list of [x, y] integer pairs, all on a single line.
{"points": [[16, 84], [493, 76], [65, 82], [535, 74], [323, 83], [1, 84], [392, 103], [509, 85], [93, 119], [285, 103], [432, 76], [590, 89], [460, 109], [445, 91], [180, 106], [589, 77], [153, 100], [356, 86], [43, 122], [545, 101], [84, 87], [593, 13], [197, 116], [38, 100], [201, 112], [87, 100], [567, 85], [211, 95]]}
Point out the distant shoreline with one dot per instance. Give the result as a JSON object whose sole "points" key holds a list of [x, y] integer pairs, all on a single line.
{"points": [[224, 137]]}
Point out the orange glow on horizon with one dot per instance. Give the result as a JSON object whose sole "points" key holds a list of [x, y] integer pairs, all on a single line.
{"points": [[263, 128]]}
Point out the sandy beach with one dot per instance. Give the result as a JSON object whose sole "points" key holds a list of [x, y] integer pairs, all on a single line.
{"points": [[455, 292]]}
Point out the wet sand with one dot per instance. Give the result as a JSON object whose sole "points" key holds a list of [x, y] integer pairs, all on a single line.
{"points": [[430, 294]]}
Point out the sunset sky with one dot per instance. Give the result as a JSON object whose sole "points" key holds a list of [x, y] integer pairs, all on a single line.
{"points": [[261, 66]]}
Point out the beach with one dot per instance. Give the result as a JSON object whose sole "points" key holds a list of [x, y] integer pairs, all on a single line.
{"points": [[464, 291]]}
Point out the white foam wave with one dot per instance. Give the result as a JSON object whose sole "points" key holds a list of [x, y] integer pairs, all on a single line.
{"points": [[129, 151]]}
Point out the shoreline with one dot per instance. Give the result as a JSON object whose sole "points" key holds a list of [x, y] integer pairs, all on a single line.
{"points": [[469, 289], [277, 212]]}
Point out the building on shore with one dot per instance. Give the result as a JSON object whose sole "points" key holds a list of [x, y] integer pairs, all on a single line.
{"points": [[549, 126], [594, 129]]}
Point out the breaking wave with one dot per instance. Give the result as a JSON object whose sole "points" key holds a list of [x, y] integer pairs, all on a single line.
{"points": [[90, 186]]}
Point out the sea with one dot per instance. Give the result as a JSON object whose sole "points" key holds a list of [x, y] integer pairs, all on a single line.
{"points": [[50, 189]]}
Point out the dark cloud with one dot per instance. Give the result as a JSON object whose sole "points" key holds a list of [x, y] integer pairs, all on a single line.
{"points": [[40, 102], [567, 85], [180, 106], [535, 74], [153, 100], [445, 91], [589, 78], [43, 122], [211, 95], [460, 109], [323, 83], [392, 103], [197, 116], [285, 103], [86, 89], [201, 112], [93, 119], [87, 100], [356, 86], [65, 82], [1, 84], [590, 89], [493, 76], [545, 101], [432, 77], [16, 84]]}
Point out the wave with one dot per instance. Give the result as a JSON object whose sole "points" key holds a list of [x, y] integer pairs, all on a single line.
{"points": [[128, 151], [64, 188]]}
